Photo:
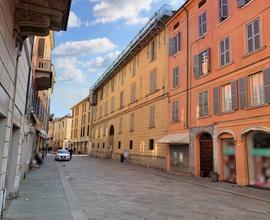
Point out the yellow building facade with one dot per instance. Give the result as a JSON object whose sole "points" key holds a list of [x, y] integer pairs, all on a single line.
{"points": [[80, 129], [130, 100], [60, 132]]}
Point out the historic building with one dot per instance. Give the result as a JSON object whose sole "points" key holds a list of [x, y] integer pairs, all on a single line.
{"points": [[20, 21], [219, 89], [60, 132], [80, 128], [130, 99]]}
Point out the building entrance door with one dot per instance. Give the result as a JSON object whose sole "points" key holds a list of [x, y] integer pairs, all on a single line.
{"points": [[111, 141], [206, 155]]}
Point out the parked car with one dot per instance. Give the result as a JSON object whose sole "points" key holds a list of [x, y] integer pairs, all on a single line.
{"points": [[62, 155]]}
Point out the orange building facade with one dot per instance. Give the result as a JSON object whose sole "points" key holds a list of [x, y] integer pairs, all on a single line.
{"points": [[219, 90]]}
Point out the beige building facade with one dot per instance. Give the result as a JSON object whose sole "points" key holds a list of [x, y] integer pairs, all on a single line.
{"points": [[80, 128], [60, 132], [130, 99]]}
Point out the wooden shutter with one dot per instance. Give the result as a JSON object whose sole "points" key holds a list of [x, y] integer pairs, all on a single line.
{"points": [[171, 47], [179, 41], [234, 90], [148, 51], [205, 104], [241, 3], [266, 82], [41, 47], [201, 104], [196, 66], [208, 59], [243, 92], [216, 101]]}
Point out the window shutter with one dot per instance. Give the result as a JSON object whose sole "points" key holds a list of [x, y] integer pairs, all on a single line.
{"points": [[196, 66], [243, 92], [171, 46], [241, 3], [216, 101], [208, 59], [234, 91], [205, 104], [201, 104], [41, 47], [266, 81], [179, 41], [148, 51]]}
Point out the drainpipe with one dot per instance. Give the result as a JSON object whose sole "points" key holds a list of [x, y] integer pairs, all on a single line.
{"points": [[187, 125], [19, 51]]}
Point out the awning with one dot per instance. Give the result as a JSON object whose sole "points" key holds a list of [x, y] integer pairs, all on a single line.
{"points": [[182, 138], [42, 133]]}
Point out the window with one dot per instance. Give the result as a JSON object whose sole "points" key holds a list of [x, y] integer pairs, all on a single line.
{"points": [[112, 104], [241, 3], [152, 117], [175, 44], [153, 81], [151, 144], [101, 94], [133, 92], [202, 63], [131, 122], [175, 116], [103, 145], [41, 47], [176, 26], [133, 66], [175, 77], [120, 125], [100, 111], [112, 85], [152, 51], [226, 98], [119, 144], [225, 51], [98, 145], [122, 99], [202, 24], [203, 104], [122, 75], [253, 36], [106, 108], [130, 145], [223, 10], [93, 145], [257, 89]]}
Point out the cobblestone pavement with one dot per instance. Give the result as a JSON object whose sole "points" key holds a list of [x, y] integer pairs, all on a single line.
{"points": [[97, 189], [110, 190]]}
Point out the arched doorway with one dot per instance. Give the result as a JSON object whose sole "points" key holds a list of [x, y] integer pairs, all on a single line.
{"points": [[111, 140], [206, 154], [258, 150]]}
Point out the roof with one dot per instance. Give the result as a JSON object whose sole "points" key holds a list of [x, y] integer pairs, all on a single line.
{"points": [[81, 101], [155, 25]]}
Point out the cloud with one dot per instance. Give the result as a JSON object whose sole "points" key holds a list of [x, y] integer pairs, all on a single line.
{"points": [[78, 48], [74, 20], [107, 11], [100, 63], [176, 3], [67, 69]]}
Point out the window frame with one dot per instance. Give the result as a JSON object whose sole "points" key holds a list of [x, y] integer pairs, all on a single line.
{"points": [[259, 34], [175, 111], [202, 24], [225, 52], [223, 98]]}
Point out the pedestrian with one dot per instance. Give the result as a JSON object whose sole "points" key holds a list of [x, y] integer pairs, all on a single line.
{"points": [[70, 153]]}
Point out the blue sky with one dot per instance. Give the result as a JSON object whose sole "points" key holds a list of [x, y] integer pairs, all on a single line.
{"points": [[98, 31]]}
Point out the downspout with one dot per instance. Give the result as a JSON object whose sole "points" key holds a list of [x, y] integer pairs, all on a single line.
{"points": [[188, 80]]}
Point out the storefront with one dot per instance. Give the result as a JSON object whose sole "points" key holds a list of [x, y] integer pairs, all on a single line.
{"points": [[179, 151], [258, 149]]}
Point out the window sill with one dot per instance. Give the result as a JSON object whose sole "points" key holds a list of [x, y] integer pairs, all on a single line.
{"points": [[227, 112], [175, 122], [202, 76], [151, 93], [246, 4], [253, 52], [221, 22], [225, 65], [203, 117], [256, 106], [151, 127], [202, 37]]}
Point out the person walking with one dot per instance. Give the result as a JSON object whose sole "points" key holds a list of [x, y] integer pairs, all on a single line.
{"points": [[70, 153]]}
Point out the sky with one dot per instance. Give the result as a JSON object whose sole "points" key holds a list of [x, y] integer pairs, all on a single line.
{"points": [[98, 30]]}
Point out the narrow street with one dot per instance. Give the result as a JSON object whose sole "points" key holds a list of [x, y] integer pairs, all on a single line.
{"points": [[90, 188]]}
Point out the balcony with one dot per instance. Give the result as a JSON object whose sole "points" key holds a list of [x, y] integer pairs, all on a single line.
{"points": [[43, 74], [38, 17]]}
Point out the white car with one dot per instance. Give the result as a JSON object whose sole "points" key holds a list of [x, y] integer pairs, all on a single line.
{"points": [[62, 155]]}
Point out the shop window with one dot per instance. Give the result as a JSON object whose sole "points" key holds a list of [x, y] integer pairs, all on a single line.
{"points": [[151, 144]]}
